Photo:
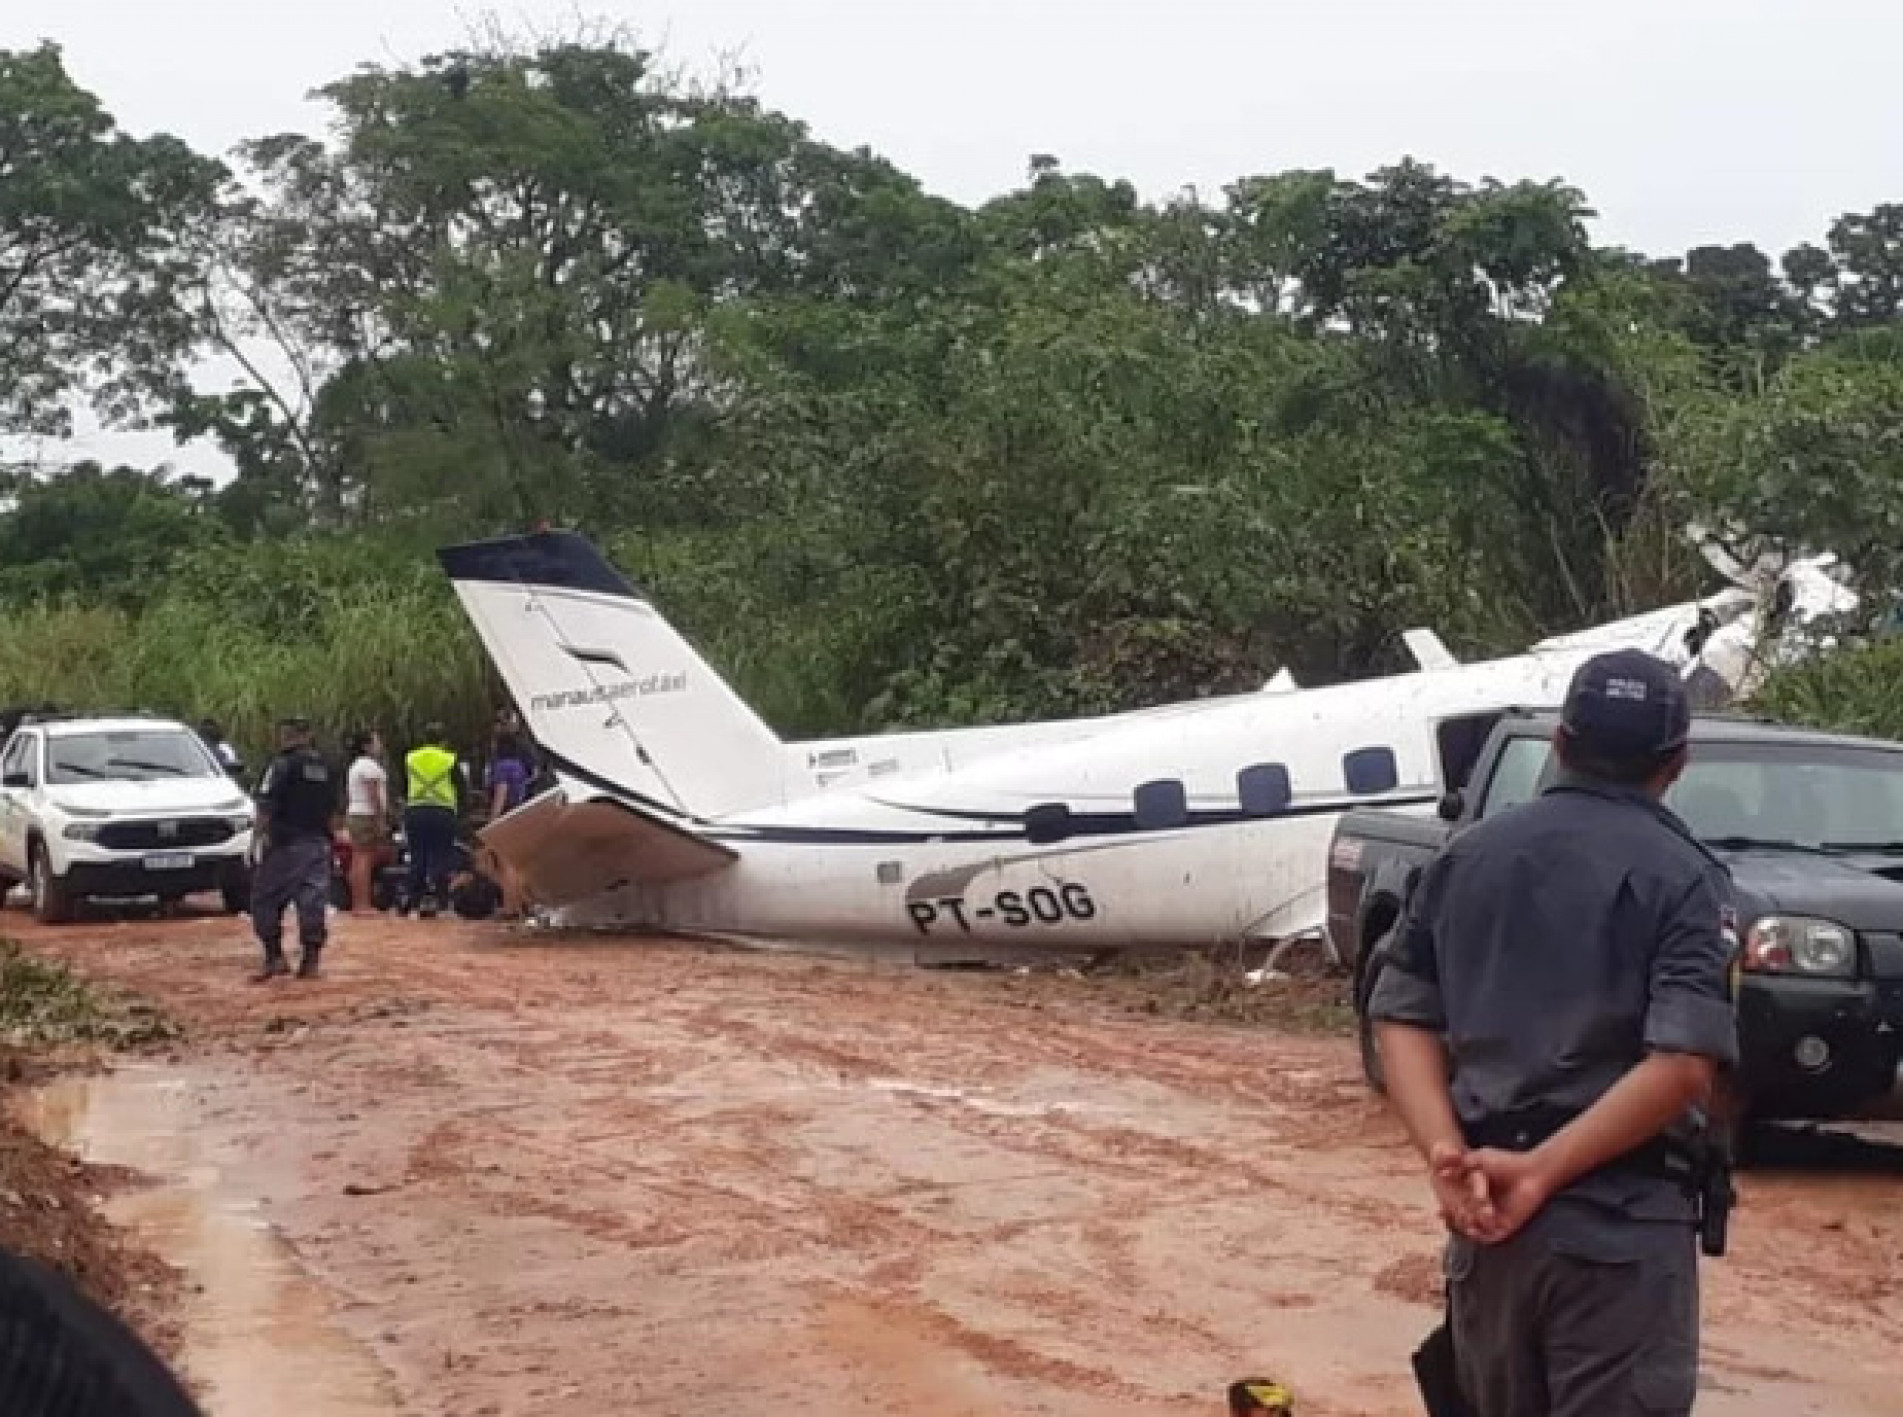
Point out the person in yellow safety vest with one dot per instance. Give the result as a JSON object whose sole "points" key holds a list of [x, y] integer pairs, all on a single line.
{"points": [[432, 803]]}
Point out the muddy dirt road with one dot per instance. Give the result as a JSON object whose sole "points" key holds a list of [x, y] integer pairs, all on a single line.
{"points": [[480, 1172]]}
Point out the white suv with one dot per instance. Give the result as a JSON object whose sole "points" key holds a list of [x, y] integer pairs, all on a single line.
{"points": [[119, 807]]}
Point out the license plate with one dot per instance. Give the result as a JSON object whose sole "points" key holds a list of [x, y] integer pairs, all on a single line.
{"points": [[169, 861]]}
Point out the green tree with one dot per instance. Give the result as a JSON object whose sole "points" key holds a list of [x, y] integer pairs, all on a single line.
{"points": [[1867, 253], [1813, 463], [492, 287], [1738, 306], [98, 535], [94, 245]]}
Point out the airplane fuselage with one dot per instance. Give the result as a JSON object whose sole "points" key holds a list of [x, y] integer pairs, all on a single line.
{"points": [[1200, 824], [1186, 825]]}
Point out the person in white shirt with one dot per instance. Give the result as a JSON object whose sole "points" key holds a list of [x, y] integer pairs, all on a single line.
{"points": [[367, 819]]}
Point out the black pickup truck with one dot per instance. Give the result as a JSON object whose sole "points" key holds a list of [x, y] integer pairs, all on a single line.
{"points": [[1811, 826]]}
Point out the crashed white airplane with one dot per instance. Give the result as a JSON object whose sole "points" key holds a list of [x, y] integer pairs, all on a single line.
{"points": [[676, 808]]}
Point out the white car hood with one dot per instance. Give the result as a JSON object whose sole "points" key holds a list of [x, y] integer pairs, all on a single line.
{"points": [[177, 796]]}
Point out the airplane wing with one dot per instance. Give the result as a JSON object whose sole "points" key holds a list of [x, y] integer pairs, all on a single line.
{"points": [[568, 850]]}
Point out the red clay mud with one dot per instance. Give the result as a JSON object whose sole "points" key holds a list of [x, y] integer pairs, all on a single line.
{"points": [[495, 1172]]}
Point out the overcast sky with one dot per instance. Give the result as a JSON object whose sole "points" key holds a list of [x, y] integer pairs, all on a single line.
{"points": [[1684, 121]]}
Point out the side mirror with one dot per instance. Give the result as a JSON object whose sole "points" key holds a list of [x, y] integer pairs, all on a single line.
{"points": [[17, 779], [1450, 806]]}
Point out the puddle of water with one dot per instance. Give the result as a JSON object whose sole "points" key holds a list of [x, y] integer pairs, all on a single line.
{"points": [[261, 1339]]}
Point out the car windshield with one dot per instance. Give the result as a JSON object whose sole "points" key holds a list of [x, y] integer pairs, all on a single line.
{"points": [[131, 755], [1808, 795], [1744, 794]]}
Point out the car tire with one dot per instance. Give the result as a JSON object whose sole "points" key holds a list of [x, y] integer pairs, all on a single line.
{"points": [[52, 902], [1372, 1068], [235, 890]]}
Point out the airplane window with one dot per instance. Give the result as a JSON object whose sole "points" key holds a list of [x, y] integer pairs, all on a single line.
{"points": [[1161, 804], [1264, 790], [1371, 770], [1048, 822]]}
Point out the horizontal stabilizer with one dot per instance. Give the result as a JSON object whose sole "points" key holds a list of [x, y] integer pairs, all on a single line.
{"points": [[569, 851], [1428, 651]]}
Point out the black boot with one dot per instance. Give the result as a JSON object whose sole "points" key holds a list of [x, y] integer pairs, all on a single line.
{"points": [[274, 967], [307, 962]]}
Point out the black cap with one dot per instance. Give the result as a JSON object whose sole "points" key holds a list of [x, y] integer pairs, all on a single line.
{"points": [[1627, 707]]}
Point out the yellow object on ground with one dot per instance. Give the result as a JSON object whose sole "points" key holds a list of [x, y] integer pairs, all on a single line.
{"points": [[1260, 1397]]}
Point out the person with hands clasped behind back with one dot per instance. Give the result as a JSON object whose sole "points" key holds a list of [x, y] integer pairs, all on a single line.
{"points": [[1554, 1013]]}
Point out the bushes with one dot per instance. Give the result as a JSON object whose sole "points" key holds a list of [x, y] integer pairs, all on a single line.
{"points": [[366, 632], [1849, 691], [348, 643]]}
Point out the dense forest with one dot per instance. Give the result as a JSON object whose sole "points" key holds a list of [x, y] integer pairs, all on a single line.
{"points": [[890, 459]]}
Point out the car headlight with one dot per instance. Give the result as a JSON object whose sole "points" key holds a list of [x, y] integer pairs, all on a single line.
{"points": [[82, 831], [1798, 944]]}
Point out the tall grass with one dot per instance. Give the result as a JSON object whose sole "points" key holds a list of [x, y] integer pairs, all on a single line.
{"points": [[368, 638], [367, 635], [388, 656]]}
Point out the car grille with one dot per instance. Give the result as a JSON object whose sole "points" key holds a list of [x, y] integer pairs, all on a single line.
{"points": [[165, 834]]}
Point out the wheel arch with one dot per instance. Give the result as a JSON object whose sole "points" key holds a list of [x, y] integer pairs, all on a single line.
{"points": [[1380, 912]]}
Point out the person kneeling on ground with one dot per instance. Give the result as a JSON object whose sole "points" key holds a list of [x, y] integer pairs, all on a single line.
{"points": [[297, 810]]}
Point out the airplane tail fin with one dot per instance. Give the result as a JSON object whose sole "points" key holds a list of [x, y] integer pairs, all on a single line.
{"points": [[611, 691]]}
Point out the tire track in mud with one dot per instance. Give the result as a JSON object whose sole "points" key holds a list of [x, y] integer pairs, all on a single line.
{"points": [[815, 1173]]}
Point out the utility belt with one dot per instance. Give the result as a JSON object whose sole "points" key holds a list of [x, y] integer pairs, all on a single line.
{"points": [[1699, 1162], [1661, 1158]]}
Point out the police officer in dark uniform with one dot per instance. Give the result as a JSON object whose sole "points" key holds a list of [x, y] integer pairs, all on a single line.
{"points": [[1556, 1010], [298, 803]]}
